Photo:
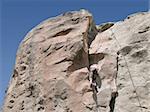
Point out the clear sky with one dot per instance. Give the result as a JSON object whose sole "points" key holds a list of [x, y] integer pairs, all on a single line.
{"points": [[17, 17]]}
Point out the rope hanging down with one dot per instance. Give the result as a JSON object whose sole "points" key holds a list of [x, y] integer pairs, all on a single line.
{"points": [[113, 35]]}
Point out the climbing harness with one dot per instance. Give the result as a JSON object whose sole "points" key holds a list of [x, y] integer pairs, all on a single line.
{"points": [[113, 35]]}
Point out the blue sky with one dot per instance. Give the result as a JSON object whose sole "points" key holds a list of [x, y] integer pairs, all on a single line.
{"points": [[17, 17]]}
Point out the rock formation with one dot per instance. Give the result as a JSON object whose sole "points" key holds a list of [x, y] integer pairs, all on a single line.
{"points": [[53, 63]]}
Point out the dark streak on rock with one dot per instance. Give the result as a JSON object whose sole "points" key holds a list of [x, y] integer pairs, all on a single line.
{"points": [[62, 33], [112, 101]]}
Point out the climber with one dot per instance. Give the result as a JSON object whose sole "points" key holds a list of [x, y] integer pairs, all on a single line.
{"points": [[95, 82], [94, 78]]}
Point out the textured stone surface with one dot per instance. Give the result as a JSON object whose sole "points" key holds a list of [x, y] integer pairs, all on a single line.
{"points": [[51, 73], [129, 42]]}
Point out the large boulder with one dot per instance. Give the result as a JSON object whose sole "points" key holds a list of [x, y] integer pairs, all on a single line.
{"points": [[51, 70], [53, 63]]}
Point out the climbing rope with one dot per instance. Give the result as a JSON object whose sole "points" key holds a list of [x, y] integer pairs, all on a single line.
{"points": [[113, 35]]}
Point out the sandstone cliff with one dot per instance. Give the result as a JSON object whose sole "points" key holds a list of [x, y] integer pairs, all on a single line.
{"points": [[54, 60]]}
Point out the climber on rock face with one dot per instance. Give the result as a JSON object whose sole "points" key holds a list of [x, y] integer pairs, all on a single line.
{"points": [[95, 82], [94, 78]]}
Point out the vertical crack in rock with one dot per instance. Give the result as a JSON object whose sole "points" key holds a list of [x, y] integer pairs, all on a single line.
{"points": [[93, 75], [112, 101], [81, 59], [114, 94]]}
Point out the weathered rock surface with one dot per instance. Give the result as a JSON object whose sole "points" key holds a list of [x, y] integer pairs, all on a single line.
{"points": [[128, 42], [51, 73]]}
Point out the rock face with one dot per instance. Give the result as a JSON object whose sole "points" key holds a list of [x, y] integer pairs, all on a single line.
{"points": [[53, 64]]}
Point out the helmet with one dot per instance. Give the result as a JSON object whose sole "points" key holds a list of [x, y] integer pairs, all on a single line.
{"points": [[93, 67]]}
